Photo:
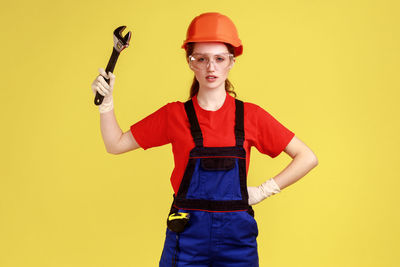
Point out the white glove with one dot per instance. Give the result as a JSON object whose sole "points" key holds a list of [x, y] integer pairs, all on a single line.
{"points": [[259, 193], [105, 89]]}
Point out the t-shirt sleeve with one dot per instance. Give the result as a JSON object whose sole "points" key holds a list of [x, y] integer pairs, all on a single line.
{"points": [[272, 137], [152, 131]]}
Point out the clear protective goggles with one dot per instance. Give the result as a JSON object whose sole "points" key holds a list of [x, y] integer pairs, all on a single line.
{"points": [[201, 61]]}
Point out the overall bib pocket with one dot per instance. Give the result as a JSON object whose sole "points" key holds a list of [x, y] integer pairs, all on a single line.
{"points": [[215, 179]]}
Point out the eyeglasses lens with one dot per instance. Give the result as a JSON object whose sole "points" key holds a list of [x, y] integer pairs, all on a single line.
{"points": [[201, 61]]}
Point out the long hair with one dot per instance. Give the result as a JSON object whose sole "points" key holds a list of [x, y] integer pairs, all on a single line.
{"points": [[195, 84]]}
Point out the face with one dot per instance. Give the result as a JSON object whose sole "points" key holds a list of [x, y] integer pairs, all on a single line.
{"points": [[212, 76]]}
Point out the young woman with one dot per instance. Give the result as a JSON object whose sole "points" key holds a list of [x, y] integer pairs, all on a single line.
{"points": [[211, 222]]}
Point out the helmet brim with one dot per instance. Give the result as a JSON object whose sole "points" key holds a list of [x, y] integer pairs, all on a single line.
{"points": [[237, 47]]}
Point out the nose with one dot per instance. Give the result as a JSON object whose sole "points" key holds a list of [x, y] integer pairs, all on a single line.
{"points": [[210, 65]]}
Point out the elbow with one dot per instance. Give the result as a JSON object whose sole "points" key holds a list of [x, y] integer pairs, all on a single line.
{"points": [[112, 150], [313, 159], [309, 158]]}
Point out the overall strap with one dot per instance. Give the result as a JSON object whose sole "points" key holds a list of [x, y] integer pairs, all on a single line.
{"points": [[195, 126], [239, 122], [194, 123]]}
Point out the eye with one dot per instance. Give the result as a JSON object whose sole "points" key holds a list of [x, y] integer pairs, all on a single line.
{"points": [[200, 59], [220, 59]]}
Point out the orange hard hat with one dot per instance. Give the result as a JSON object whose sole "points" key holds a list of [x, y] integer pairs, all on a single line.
{"points": [[213, 27]]}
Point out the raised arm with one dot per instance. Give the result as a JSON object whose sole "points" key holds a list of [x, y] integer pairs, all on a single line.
{"points": [[115, 141]]}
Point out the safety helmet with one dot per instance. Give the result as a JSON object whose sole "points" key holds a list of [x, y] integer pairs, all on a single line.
{"points": [[213, 27]]}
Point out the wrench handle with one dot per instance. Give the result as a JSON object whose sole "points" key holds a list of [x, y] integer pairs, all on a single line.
{"points": [[110, 68]]}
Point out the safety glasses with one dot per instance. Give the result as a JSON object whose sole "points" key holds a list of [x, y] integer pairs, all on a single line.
{"points": [[201, 61]]}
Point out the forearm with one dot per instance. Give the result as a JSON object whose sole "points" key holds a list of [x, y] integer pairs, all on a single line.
{"points": [[303, 161], [297, 168], [110, 130]]}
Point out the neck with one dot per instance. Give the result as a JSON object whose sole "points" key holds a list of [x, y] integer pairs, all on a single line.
{"points": [[211, 99]]}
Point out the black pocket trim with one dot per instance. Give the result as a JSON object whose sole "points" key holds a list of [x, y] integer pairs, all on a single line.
{"points": [[217, 164]]}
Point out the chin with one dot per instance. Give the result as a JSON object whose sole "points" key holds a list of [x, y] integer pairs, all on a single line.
{"points": [[212, 87]]}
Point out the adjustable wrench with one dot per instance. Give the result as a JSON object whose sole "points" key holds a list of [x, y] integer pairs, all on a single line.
{"points": [[120, 43]]}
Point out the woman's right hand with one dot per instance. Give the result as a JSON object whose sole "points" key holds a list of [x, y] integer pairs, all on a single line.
{"points": [[101, 86]]}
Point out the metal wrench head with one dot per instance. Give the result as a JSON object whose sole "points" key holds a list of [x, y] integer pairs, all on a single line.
{"points": [[120, 43]]}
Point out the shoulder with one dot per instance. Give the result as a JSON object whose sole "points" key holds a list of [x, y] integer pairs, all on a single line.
{"points": [[175, 105], [251, 106], [252, 109], [174, 108], [255, 112]]}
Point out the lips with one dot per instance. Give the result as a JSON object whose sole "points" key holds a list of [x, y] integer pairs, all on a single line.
{"points": [[211, 78]]}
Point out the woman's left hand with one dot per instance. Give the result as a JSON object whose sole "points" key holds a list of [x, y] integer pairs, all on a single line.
{"points": [[259, 193]]}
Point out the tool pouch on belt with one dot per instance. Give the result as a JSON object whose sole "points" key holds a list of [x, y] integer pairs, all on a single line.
{"points": [[176, 221]]}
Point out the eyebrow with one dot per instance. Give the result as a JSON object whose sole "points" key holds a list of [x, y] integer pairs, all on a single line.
{"points": [[209, 53]]}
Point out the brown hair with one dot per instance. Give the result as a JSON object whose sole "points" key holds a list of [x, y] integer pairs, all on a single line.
{"points": [[195, 84]]}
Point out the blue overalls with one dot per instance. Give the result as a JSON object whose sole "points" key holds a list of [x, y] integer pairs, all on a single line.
{"points": [[221, 230]]}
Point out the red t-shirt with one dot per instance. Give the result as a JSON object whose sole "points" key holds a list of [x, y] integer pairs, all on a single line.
{"points": [[169, 124]]}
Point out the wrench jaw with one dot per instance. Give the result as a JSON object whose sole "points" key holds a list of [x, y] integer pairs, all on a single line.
{"points": [[127, 38], [120, 43]]}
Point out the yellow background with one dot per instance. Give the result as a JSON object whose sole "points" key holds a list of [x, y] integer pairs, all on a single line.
{"points": [[327, 70]]}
